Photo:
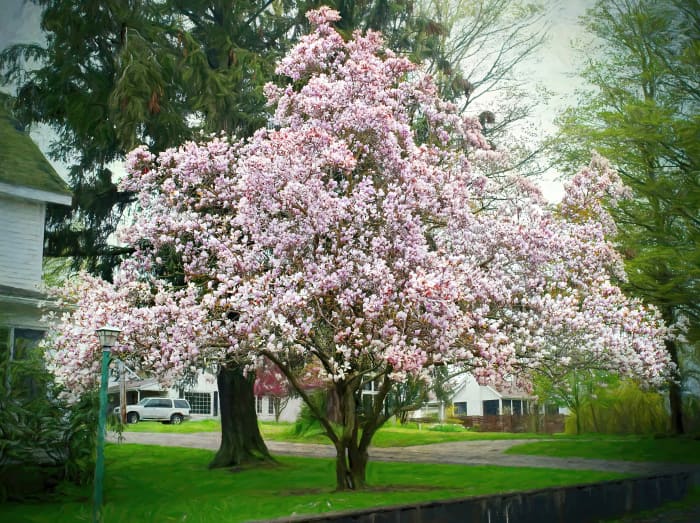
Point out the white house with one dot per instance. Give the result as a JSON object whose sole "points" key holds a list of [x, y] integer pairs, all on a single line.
{"points": [[28, 183], [472, 399], [469, 398]]}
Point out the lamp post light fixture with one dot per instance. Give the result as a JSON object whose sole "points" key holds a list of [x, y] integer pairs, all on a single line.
{"points": [[108, 338]]}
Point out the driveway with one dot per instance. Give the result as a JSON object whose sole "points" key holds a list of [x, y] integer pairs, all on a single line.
{"points": [[460, 453]]}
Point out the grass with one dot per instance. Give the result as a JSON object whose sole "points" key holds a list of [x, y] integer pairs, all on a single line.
{"points": [[638, 448], [188, 427], [388, 436], [151, 483]]}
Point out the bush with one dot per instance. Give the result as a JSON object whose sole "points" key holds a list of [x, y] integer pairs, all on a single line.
{"points": [[43, 440], [621, 409], [307, 422]]}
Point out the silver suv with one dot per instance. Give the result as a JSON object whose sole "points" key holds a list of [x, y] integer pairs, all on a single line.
{"points": [[159, 409]]}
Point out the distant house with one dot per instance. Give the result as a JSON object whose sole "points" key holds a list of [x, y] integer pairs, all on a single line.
{"points": [[469, 398], [28, 183], [472, 399]]}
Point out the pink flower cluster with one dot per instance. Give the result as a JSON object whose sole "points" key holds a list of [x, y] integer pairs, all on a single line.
{"points": [[351, 241]]}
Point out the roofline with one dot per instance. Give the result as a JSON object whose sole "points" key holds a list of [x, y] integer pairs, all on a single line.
{"points": [[492, 389], [35, 194]]}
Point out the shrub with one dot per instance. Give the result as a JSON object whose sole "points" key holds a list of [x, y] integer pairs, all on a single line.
{"points": [[43, 440], [621, 409]]}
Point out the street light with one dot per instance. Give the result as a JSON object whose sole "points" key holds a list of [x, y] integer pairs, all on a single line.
{"points": [[108, 337]]}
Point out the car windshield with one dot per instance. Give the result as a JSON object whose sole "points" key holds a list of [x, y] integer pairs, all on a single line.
{"points": [[143, 401]]}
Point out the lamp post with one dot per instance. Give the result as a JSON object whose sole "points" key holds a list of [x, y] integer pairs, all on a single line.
{"points": [[108, 337]]}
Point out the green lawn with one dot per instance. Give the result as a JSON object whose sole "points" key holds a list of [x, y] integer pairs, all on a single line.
{"points": [[388, 436], [188, 427], [675, 450], [150, 483]]}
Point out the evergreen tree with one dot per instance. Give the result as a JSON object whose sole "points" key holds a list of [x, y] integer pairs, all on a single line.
{"points": [[642, 114]]}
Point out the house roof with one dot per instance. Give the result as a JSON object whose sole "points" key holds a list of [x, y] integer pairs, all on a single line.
{"points": [[504, 390], [22, 164]]}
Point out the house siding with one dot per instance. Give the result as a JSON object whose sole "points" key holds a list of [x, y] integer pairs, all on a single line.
{"points": [[21, 242], [474, 395]]}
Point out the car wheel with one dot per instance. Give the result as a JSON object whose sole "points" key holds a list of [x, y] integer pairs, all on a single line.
{"points": [[175, 419], [132, 417]]}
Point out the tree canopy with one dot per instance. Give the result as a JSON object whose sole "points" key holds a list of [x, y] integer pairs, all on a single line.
{"points": [[358, 241], [116, 74], [641, 112]]}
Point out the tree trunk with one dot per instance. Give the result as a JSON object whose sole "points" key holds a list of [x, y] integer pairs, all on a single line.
{"points": [[241, 442], [350, 467], [351, 452], [674, 393]]}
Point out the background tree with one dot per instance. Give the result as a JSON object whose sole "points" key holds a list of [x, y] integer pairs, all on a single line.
{"points": [[641, 112], [477, 53]]}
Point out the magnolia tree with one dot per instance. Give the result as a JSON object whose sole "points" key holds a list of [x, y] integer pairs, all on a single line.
{"points": [[357, 241]]}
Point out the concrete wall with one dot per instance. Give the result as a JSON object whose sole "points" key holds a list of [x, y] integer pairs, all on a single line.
{"points": [[574, 504]]}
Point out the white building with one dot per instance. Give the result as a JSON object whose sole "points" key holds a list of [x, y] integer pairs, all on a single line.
{"points": [[469, 398], [472, 399], [28, 183]]}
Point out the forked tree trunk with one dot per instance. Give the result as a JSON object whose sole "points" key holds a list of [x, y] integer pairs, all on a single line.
{"points": [[241, 442], [350, 467], [351, 449]]}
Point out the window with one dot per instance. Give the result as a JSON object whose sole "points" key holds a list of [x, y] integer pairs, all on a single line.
{"points": [[270, 405], [200, 402], [258, 405], [17, 344], [460, 408], [371, 387], [491, 408], [518, 407], [182, 404]]}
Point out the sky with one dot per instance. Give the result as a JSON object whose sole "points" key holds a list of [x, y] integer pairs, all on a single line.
{"points": [[554, 66]]}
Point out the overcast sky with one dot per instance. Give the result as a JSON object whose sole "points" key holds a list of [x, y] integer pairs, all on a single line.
{"points": [[554, 65]]}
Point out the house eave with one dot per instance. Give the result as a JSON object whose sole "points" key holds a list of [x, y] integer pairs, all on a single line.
{"points": [[25, 297], [39, 195]]}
